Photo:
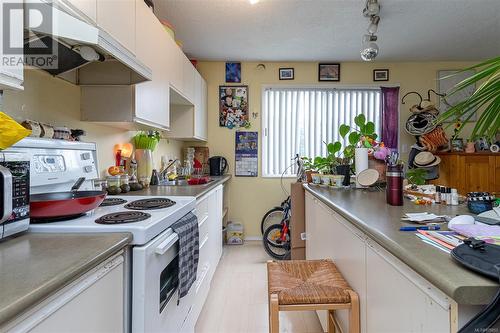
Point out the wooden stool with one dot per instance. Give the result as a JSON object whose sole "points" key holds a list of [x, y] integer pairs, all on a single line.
{"points": [[301, 285]]}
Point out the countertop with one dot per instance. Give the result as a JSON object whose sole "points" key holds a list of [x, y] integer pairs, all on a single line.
{"points": [[369, 212], [182, 191], [34, 266]]}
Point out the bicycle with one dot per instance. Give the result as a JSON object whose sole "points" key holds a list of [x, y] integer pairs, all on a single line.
{"points": [[276, 237]]}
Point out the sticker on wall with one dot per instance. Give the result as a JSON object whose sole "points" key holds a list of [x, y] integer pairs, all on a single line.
{"points": [[233, 107], [246, 154], [233, 72]]}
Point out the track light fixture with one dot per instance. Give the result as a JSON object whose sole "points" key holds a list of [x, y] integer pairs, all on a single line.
{"points": [[369, 50]]}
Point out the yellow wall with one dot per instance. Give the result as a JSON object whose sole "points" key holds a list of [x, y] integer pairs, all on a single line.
{"points": [[252, 197], [57, 102]]}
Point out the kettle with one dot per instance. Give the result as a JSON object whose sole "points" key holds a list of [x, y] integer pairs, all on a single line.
{"points": [[218, 165]]}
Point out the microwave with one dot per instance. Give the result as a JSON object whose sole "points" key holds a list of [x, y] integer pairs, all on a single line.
{"points": [[15, 190]]}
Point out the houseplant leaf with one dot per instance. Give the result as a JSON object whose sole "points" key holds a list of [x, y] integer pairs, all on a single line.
{"points": [[343, 130], [354, 138], [360, 120]]}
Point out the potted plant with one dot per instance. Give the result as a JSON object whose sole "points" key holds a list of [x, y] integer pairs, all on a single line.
{"points": [[145, 143], [486, 98]]}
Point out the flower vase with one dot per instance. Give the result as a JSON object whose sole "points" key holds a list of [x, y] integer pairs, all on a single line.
{"points": [[144, 159]]}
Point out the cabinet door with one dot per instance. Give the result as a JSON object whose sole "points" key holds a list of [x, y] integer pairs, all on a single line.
{"points": [[395, 304], [117, 18], [349, 255], [478, 174], [175, 65], [11, 64], [152, 98], [188, 79], [200, 109]]}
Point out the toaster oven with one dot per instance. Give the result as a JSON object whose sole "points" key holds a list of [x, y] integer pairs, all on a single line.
{"points": [[15, 190]]}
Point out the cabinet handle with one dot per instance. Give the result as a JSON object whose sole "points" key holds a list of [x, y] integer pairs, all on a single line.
{"points": [[303, 236]]}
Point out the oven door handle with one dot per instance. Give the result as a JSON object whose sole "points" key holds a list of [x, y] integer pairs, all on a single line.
{"points": [[7, 195], [166, 244]]}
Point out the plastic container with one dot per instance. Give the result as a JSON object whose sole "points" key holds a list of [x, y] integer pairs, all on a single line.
{"points": [[234, 233], [479, 202]]}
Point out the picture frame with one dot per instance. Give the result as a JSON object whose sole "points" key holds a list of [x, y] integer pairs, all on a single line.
{"points": [[329, 72], [233, 107], [233, 72], [286, 74], [380, 75]]}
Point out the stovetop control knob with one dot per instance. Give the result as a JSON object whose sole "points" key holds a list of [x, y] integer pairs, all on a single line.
{"points": [[88, 168], [85, 156]]}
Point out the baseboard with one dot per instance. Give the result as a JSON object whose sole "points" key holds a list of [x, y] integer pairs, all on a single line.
{"points": [[253, 238]]}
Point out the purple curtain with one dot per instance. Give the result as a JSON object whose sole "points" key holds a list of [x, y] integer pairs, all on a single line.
{"points": [[390, 117]]}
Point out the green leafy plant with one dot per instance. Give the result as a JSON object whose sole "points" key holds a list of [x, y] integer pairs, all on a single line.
{"points": [[146, 140], [486, 97], [416, 176]]}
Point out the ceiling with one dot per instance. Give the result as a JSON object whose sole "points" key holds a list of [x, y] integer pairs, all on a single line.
{"points": [[327, 30]]}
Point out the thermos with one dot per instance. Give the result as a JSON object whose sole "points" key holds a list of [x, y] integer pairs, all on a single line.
{"points": [[394, 190]]}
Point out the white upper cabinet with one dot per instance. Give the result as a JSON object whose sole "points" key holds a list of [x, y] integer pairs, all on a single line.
{"points": [[117, 18], [175, 65], [189, 119], [152, 98], [201, 112], [87, 8], [188, 79], [11, 48]]}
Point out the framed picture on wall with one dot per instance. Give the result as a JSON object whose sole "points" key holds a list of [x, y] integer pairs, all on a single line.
{"points": [[233, 72], [380, 75], [286, 73], [329, 72], [233, 107]]}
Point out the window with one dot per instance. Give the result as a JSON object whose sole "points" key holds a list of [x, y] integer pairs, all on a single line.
{"points": [[300, 120]]}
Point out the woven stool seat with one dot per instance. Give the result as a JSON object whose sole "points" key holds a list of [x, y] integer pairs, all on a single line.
{"points": [[308, 282]]}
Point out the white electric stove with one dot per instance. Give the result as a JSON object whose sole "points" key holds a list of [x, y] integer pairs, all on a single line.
{"points": [[152, 259], [144, 224]]}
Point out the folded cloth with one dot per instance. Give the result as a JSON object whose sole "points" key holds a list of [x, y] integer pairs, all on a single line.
{"points": [[187, 230]]}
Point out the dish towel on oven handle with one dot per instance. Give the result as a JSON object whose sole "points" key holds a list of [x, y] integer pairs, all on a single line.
{"points": [[187, 230]]}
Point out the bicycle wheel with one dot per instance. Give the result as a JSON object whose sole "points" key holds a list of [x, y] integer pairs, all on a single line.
{"points": [[273, 244], [273, 216]]}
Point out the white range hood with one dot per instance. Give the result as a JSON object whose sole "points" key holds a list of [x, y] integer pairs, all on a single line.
{"points": [[86, 55]]}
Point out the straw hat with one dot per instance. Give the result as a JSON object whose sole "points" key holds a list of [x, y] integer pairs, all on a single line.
{"points": [[426, 159]]}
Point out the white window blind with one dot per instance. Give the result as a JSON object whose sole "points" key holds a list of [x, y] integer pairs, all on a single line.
{"points": [[300, 120]]}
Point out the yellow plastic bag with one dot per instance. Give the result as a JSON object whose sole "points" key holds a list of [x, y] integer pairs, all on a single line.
{"points": [[10, 131]]}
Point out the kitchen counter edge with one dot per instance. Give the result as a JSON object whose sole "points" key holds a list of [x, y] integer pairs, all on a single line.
{"points": [[467, 294], [30, 293]]}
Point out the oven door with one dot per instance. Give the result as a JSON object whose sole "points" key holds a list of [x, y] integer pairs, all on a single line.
{"points": [[155, 286]]}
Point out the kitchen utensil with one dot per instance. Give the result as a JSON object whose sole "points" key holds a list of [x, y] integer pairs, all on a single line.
{"points": [[218, 165], [367, 177], [65, 204]]}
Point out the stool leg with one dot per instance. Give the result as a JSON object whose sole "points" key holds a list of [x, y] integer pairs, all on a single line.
{"points": [[354, 313], [274, 314], [331, 322]]}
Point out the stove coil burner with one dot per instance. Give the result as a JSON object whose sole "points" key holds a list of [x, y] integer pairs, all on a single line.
{"points": [[123, 217], [112, 202], [149, 204]]}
